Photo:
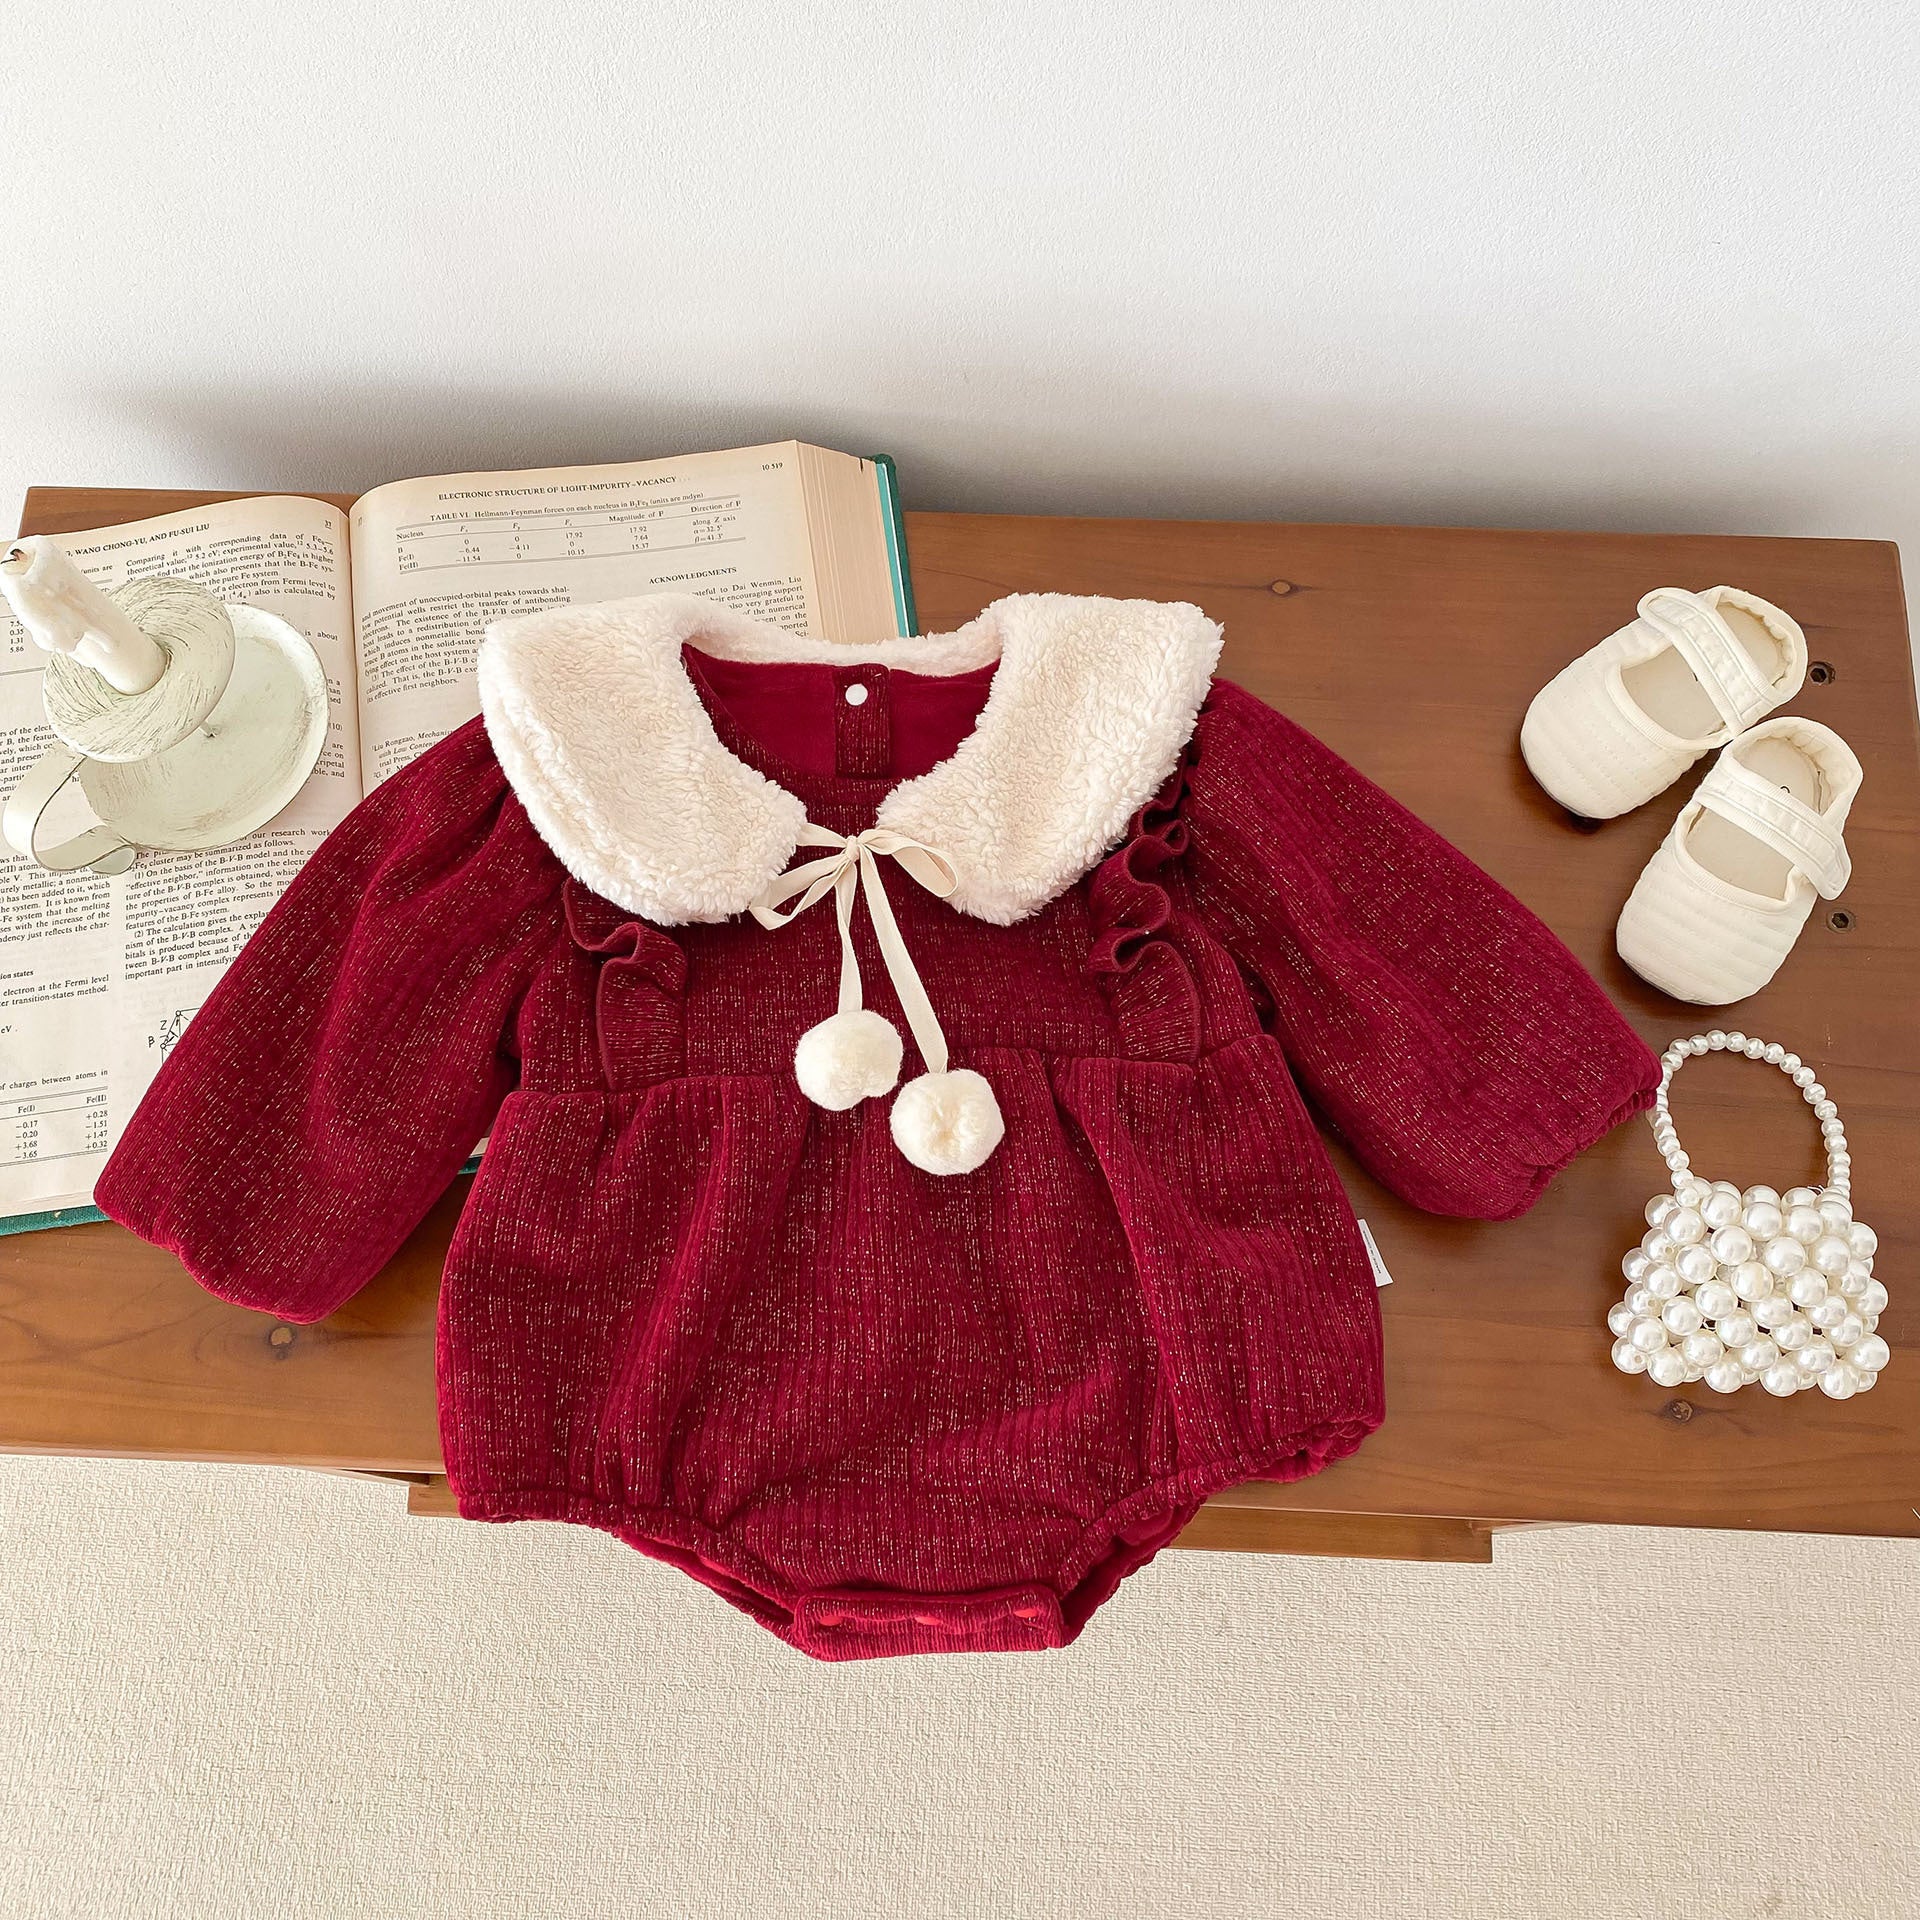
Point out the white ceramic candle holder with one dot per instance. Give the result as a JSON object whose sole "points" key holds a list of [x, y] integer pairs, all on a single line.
{"points": [[1733, 1286], [186, 722]]}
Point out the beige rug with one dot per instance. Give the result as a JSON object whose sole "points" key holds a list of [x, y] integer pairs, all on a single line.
{"points": [[272, 1696]]}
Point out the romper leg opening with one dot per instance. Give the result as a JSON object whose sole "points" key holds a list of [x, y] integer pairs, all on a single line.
{"points": [[861, 1624]]}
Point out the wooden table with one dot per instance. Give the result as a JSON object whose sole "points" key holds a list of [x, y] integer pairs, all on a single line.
{"points": [[1413, 651]]}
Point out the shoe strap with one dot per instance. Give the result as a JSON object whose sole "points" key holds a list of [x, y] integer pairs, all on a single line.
{"points": [[1740, 692], [1772, 815]]}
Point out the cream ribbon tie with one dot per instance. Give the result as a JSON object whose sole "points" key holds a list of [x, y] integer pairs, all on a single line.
{"points": [[853, 866]]}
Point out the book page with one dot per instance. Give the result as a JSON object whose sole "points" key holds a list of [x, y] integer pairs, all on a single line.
{"points": [[97, 977], [434, 561]]}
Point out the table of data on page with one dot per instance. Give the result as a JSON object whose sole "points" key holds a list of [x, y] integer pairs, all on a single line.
{"points": [[569, 533]]}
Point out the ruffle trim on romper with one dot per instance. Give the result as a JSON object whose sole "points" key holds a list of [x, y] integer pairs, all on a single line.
{"points": [[1148, 978]]}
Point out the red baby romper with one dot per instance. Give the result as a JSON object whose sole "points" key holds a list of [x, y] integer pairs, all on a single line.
{"points": [[882, 1408]]}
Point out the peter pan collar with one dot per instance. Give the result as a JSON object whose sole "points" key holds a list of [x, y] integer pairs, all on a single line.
{"points": [[602, 735]]}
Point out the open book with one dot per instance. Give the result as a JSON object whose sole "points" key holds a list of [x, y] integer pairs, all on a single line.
{"points": [[99, 976]]}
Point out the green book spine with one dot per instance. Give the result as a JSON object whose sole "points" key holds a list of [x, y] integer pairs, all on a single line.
{"points": [[57, 1217], [896, 521]]}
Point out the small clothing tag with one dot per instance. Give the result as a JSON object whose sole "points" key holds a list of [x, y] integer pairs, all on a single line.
{"points": [[1381, 1277]]}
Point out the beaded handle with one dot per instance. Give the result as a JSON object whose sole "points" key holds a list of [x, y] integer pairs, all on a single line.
{"points": [[1839, 1161]]}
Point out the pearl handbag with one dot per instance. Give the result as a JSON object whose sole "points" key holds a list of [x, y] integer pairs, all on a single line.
{"points": [[1734, 1287]]}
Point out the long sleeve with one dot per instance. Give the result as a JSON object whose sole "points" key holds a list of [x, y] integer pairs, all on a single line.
{"points": [[356, 1051], [1457, 1046]]}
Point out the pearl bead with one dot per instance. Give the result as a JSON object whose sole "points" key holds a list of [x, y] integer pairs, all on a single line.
{"points": [[1703, 1349], [1756, 1196], [1826, 1316], [1648, 1335], [1662, 1283], [1731, 1245], [1666, 1368], [1763, 1219], [1825, 1110], [1808, 1290], [1685, 1229], [1788, 1063], [1736, 1329], [1813, 1094], [1752, 1281], [1829, 1255], [1620, 1318], [1815, 1357], [1774, 1311], [1724, 1376], [1799, 1197], [1692, 1192], [1717, 1039], [1636, 1266], [1628, 1358], [1774, 1053], [1736, 1040], [1716, 1298], [1722, 1208], [1803, 1077], [1849, 1333], [1677, 1160], [1864, 1382], [1804, 1223], [1839, 1382], [1655, 1244], [1784, 1256], [1873, 1298], [1681, 1317], [1639, 1301], [1862, 1242], [1782, 1378], [1696, 1265], [1870, 1321], [1836, 1212], [1661, 1208], [1791, 1335], [1853, 1282], [1871, 1354], [1758, 1355], [1831, 1131], [1755, 1049]]}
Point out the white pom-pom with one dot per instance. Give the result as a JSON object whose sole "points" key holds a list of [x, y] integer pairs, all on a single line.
{"points": [[947, 1122], [847, 1058]]}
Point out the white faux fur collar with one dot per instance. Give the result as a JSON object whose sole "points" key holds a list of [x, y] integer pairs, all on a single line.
{"points": [[603, 737]]}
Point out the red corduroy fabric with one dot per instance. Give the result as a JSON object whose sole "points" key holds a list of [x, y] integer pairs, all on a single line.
{"points": [[881, 1411]]}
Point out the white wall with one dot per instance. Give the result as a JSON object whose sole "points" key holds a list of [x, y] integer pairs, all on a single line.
{"points": [[1627, 265]]}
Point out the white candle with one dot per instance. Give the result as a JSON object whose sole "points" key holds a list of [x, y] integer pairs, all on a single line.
{"points": [[66, 613]]}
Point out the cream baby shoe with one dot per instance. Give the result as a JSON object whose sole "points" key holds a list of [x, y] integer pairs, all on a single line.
{"points": [[1724, 897], [1630, 716]]}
